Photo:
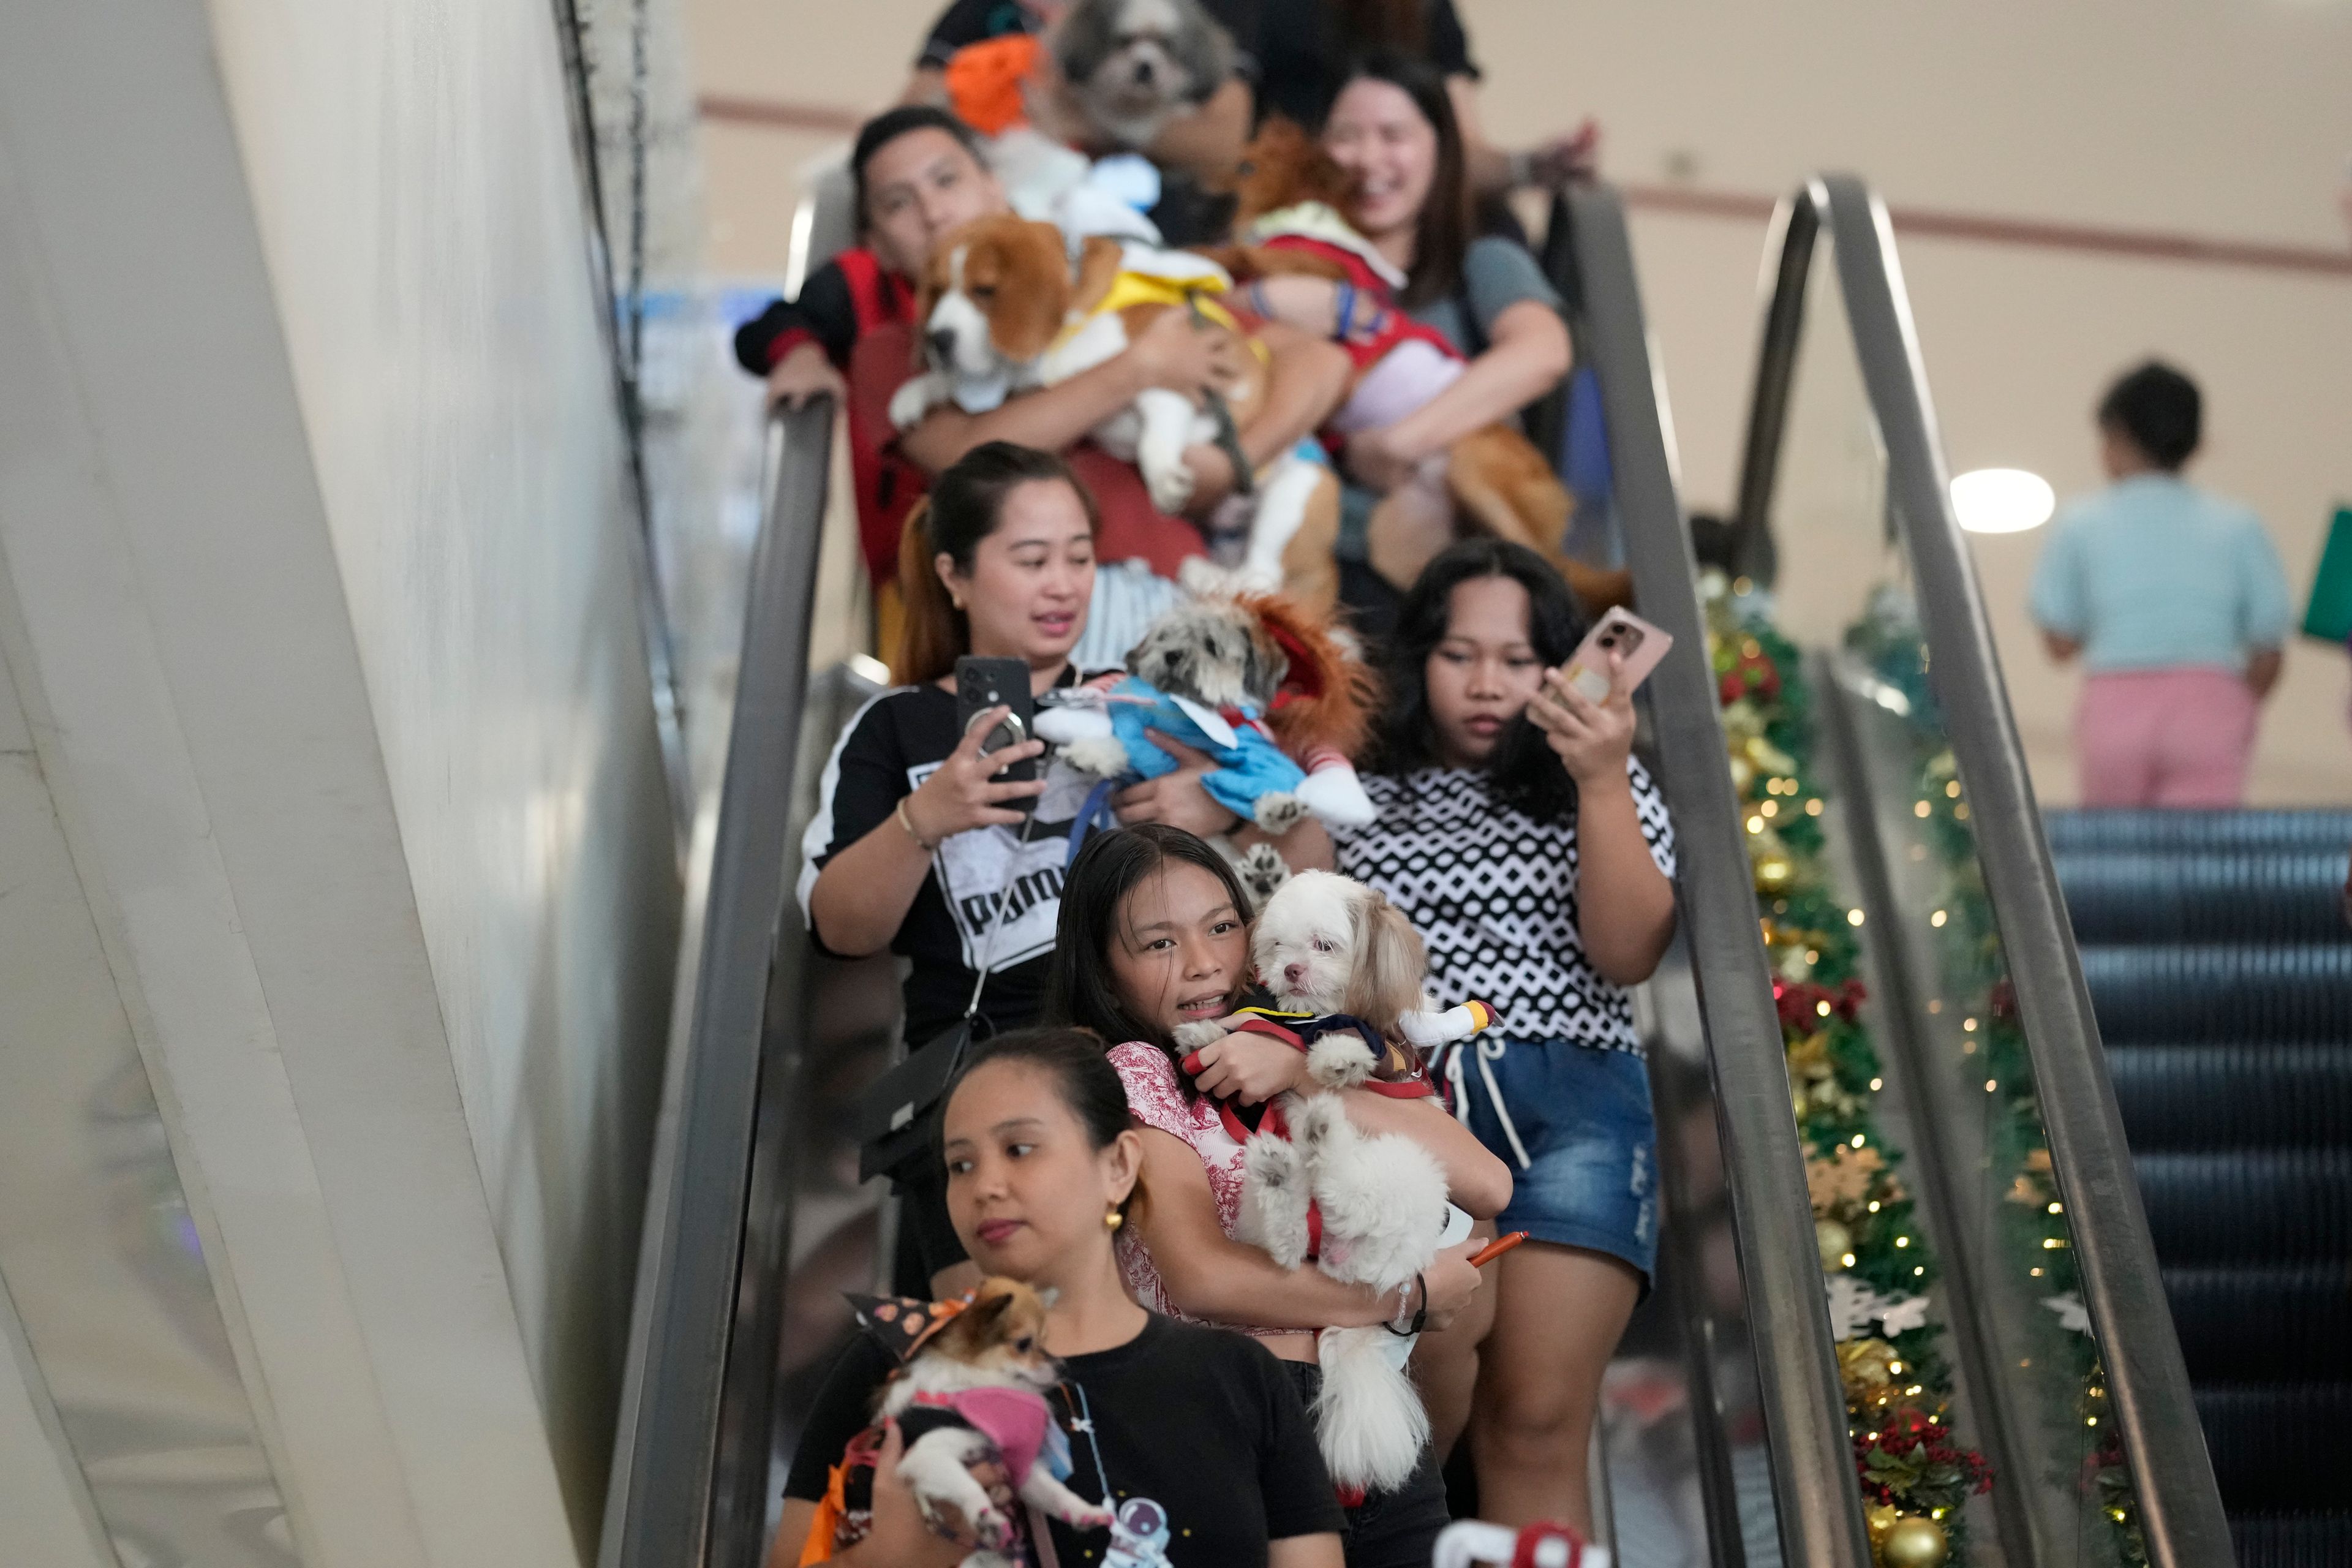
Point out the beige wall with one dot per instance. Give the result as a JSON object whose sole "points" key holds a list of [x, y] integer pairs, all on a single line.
{"points": [[414, 180], [2225, 117]]}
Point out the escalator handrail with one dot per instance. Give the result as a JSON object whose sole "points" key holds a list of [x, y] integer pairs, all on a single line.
{"points": [[1818, 1496], [2181, 1517], [659, 1510]]}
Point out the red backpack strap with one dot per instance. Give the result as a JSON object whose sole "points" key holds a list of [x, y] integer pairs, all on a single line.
{"points": [[876, 294]]}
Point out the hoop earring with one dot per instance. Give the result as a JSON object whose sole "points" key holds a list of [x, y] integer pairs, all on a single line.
{"points": [[1113, 1220]]}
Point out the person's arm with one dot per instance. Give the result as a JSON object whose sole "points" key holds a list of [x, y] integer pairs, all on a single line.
{"points": [[1529, 355], [899, 1537], [1180, 800], [1210, 1276], [1488, 166], [1305, 380], [1625, 905], [862, 896], [2054, 599], [1169, 353], [927, 84], [2263, 668], [2269, 614], [1305, 1552]]}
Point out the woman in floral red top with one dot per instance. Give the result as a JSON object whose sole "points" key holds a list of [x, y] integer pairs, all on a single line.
{"points": [[1154, 934]]}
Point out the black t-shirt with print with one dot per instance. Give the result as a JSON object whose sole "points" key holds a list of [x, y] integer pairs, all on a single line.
{"points": [[894, 743], [1201, 1421]]}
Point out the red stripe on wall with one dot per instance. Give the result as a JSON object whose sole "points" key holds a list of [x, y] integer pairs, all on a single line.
{"points": [[1927, 223]]}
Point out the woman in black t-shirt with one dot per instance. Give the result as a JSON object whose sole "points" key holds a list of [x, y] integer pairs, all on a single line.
{"points": [[917, 846], [1196, 1432]]}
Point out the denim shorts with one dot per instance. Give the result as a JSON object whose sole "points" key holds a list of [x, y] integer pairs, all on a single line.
{"points": [[1590, 1178]]}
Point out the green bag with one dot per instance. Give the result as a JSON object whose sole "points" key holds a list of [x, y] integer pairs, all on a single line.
{"points": [[2329, 614]]}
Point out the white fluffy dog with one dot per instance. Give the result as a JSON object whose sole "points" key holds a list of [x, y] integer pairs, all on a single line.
{"points": [[1324, 943]]}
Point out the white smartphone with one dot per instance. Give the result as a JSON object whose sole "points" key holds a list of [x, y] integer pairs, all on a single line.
{"points": [[1638, 645]]}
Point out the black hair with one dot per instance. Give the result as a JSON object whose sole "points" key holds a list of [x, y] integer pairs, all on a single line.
{"points": [[2158, 410], [1526, 772], [888, 126], [1079, 984], [1082, 1075], [1441, 238], [966, 503]]}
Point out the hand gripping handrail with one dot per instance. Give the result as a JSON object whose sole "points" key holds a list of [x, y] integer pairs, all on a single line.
{"points": [[2147, 1383], [671, 1501], [1819, 1500]]}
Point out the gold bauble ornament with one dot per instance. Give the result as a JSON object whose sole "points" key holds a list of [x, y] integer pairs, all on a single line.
{"points": [[1881, 1520], [1914, 1541], [1835, 1241], [1866, 1364]]}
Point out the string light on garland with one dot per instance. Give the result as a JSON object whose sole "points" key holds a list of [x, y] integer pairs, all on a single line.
{"points": [[1895, 1364]]}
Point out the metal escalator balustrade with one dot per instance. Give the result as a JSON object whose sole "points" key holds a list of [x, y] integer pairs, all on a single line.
{"points": [[2064, 1367], [1758, 1359], [2216, 952]]}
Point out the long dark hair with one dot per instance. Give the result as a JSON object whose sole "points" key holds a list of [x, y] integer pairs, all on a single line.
{"points": [[1083, 1077], [966, 502], [1441, 238], [1525, 772], [1078, 986]]}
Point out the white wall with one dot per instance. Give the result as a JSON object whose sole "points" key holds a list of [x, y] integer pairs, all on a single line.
{"points": [[2225, 117], [413, 180]]}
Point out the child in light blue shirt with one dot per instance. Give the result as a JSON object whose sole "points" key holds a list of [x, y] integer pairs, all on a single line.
{"points": [[2176, 602]]}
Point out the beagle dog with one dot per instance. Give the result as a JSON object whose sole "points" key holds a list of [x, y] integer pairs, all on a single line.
{"points": [[1004, 309]]}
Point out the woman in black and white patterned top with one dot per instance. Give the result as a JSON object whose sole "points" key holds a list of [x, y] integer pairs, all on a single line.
{"points": [[1533, 854]]}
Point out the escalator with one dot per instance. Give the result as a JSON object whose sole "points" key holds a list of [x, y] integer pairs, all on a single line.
{"points": [[757, 1221], [2219, 963]]}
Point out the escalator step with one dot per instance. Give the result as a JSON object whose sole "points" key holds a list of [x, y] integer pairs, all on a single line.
{"points": [[2205, 896], [2091, 831], [2262, 1324], [2293, 1540], [2217, 1096], [2215, 993], [2255, 1206], [2278, 1447]]}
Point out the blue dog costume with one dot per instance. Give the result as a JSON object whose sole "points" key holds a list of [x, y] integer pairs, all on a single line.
{"points": [[1250, 766]]}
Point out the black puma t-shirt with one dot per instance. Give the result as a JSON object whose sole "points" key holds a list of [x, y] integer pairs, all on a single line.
{"points": [[994, 894], [1201, 1436]]}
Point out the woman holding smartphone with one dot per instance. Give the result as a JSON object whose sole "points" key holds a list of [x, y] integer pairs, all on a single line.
{"points": [[1533, 854]]}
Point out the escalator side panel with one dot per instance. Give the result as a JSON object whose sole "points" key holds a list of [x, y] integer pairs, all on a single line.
{"points": [[2181, 1513]]}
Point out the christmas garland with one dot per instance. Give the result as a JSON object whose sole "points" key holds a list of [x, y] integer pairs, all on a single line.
{"points": [[1877, 1265], [2036, 1242]]}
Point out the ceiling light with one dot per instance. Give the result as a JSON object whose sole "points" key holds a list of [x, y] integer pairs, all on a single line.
{"points": [[2002, 500]]}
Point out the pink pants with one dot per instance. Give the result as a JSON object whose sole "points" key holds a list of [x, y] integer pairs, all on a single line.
{"points": [[2165, 737]]}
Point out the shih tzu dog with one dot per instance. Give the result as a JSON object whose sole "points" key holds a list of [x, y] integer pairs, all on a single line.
{"points": [[1134, 65], [1372, 1208]]}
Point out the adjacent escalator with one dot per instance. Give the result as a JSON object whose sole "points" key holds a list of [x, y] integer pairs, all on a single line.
{"points": [[2219, 960]]}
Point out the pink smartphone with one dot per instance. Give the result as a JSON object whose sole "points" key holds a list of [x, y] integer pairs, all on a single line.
{"points": [[1638, 645]]}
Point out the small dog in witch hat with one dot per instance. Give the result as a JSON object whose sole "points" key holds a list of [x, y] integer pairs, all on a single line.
{"points": [[972, 1391]]}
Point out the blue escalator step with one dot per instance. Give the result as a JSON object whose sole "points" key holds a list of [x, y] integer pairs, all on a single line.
{"points": [[2244, 832], [2214, 1096], [2267, 1323], [2204, 896], [2249, 1207], [2213, 992], [2278, 1447], [2312, 1540]]}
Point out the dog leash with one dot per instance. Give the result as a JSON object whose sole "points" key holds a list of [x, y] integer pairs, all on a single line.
{"points": [[1229, 435]]}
